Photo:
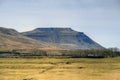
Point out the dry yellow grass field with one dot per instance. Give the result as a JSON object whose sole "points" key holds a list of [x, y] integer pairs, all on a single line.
{"points": [[59, 69]]}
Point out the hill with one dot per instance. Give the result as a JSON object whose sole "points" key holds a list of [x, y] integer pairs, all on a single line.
{"points": [[63, 37], [11, 39]]}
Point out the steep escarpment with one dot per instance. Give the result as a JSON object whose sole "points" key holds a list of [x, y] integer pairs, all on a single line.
{"points": [[63, 37]]}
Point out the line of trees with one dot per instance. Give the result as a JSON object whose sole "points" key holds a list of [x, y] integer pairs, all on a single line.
{"points": [[92, 53], [89, 53]]}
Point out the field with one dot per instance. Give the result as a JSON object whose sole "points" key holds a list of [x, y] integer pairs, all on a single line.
{"points": [[59, 69]]}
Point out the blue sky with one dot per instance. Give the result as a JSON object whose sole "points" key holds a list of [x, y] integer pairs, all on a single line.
{"points": [[99, 19]]}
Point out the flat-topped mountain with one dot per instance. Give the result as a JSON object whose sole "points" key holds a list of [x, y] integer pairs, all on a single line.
{"points": [[10, 38], [63, 37]]}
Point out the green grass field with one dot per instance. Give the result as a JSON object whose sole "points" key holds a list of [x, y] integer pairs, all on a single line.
{"points": [[59, 69]]}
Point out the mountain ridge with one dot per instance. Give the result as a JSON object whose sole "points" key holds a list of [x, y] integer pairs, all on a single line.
{"points": [[63, 37], [10, 38]]}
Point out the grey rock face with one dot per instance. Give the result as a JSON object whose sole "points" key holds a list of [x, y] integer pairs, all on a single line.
{"points": [[63, 37]]}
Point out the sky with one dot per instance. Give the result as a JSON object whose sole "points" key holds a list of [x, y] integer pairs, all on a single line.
{"points": [[99, 19]]}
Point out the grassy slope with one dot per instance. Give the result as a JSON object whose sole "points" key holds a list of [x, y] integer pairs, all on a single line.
{"points": [[59, 69], [21, 42]]}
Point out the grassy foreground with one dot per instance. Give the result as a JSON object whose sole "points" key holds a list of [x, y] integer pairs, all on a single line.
{"points": [[59, 69]]}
